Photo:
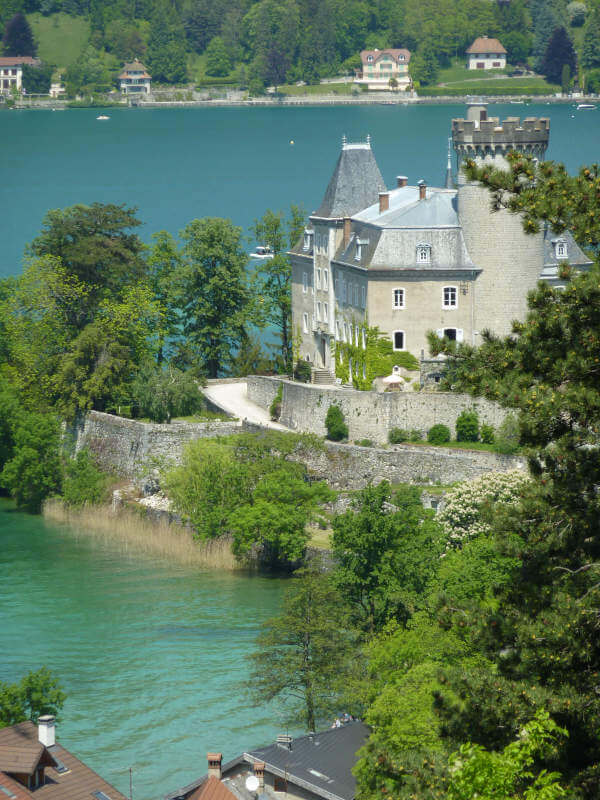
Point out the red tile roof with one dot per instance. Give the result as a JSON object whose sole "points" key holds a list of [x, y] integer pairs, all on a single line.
{"points": [[394, 52], [213, 789], [15, 61], [484, 45], [18, 791]]}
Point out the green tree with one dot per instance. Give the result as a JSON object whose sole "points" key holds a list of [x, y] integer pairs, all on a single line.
{"points": [[337, 430], [18, 37], [590, 51], [84, 483], [34, 472], [36, 694], [162, 393], [546, 21], [218, 61], [518, 46], [215, 297], [203, 21], [91, 72], [271, 31], [164, 266], [37, 79], [124, 39], [385, 557], [303, 654], [424, 66], [166, 51], [273, 278], [559, 53]]}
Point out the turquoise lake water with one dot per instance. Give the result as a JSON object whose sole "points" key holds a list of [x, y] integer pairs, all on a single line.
{"points": [[151, 656], [179, 164]]}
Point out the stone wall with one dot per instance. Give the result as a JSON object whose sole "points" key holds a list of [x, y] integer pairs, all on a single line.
{"points": [[353, 467], [369, 415], [125, 445]]}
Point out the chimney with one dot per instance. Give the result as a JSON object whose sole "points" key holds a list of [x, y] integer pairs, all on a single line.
{"points": [[347, 230], [285, 741], [384, 201], [422, 189], [259, 771], [402, 181], [214, 765], [46, 733]]}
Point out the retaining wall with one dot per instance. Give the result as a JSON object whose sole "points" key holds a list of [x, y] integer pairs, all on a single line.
{"points": [[369, 415], [126, 445]]}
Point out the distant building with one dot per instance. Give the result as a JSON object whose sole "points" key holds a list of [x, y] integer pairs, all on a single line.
{"points": [[314, 767], [486, 53], [134, 79], [379, 67], [34, 767], [57, 90], [11, 72]]}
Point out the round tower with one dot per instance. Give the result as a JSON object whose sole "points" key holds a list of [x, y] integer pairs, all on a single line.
{"points": [[511, 260]]}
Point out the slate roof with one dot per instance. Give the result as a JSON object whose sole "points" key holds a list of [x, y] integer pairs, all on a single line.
{"points": [[76, 782], [484, 45], [406, 210], [354, 185], [321, 763]]}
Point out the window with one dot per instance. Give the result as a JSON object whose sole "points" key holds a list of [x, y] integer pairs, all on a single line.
{"points": [[560, 248], [356, 332], [305, 282], [318, 279], [398, 298], [305, 322], [345, 337], [423, 253], [100, 796], [279, 784], [307, 237], [450, 296], [398, 340], [360, 243], [337, 329], [336, 285], [351, 332], [325, 242], [363, 298], [496, 64], [343, 291], [364, 339], [370, 59], [318, 312], [454, 334], [325, 312], [356, 294], [325, 280], [6, 791]]}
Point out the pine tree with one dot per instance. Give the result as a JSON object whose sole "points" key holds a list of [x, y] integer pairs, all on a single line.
{"points": [[559, 53], [544, 22], [166, 50], [18, 37], [590, 54]]}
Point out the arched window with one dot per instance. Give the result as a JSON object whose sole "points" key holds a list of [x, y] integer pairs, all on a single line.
{"points": [[423, 254]]}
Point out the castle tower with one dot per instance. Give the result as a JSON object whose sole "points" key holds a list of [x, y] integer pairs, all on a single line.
{"points": [[510, 259]]}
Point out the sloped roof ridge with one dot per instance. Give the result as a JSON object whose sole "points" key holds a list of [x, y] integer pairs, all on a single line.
{"points": [[354, 185]]}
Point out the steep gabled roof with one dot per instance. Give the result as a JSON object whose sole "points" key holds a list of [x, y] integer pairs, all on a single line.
{"points": [[354, 185], [484, 45], [213, 789], [396, 54]]}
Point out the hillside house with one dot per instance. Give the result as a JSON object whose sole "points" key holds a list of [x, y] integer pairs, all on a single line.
{"points": [[11, 72], [379, 67], [486, 53], [134, 79], [314, 767], [33, 765]]}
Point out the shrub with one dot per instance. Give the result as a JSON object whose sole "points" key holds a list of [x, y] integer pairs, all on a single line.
{"points": [[416, 435], [467, 427], [439, 434], [398, 435], [302, 372], [487, 434], [275, 407], [84, 483], [364, 442], [334, 422], [508, 436], [161, 394]]}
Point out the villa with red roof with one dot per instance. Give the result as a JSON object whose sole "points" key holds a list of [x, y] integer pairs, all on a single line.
{"points": [[384, 69], [486, 53], [11, 72], [134, 78]]}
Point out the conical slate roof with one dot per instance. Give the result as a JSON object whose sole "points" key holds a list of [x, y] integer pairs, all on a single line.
{"points": [[354, 185]]}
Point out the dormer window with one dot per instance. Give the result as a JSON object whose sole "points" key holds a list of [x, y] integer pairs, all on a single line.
{"points": [[560, 249], [307, 239], [360, 244], [369, 59], [423, 253]]}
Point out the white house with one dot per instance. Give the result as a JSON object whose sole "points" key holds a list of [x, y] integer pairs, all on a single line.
{"points": [[379, 67], [134, 78], [11, 72], [486, 53]]}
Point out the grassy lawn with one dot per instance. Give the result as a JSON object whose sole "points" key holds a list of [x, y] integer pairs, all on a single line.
{"points": [[319, 88], [196, 66], [319, 538], [511, 84], [60, 37], [458, 72]]}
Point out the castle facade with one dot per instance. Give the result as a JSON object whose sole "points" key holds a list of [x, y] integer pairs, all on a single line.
{"points": [[418, 258]]}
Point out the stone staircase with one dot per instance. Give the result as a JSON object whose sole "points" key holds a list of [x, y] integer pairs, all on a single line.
{"points": [[322, 377]]}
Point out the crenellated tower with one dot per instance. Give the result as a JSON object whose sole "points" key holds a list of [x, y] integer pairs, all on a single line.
{"points": [[496, 241]]}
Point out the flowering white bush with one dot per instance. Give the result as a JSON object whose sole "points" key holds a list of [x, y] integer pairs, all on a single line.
{"points": [[461, 516]]}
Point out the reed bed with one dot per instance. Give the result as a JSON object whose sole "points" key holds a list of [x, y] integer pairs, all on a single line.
{"points": [[129, 530]]}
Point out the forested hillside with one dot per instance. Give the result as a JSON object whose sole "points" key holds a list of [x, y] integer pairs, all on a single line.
{"points": [[256, 43]]}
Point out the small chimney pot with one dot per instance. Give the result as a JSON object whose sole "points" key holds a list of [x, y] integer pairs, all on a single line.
{"points": [[422, 190], [214, 765], [347, 231], [46, 732], [401, 180], [384, 202], [259, 771]]}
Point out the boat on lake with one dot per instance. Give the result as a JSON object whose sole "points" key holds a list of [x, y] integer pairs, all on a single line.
{"points": [[586, 107], [102, 116], [262, 251]]}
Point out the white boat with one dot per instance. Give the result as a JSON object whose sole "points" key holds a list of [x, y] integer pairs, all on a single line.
{"points": [[586, 107], [102, 116], [262, 252]]}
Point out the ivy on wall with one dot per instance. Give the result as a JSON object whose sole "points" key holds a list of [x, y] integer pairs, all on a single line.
{"points": [[376, 359]]}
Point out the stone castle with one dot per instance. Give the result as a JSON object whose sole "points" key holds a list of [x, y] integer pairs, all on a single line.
{"points": [[418, 258]]}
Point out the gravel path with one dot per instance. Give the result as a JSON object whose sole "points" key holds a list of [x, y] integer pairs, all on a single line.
{"points": [[232, 398]]}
